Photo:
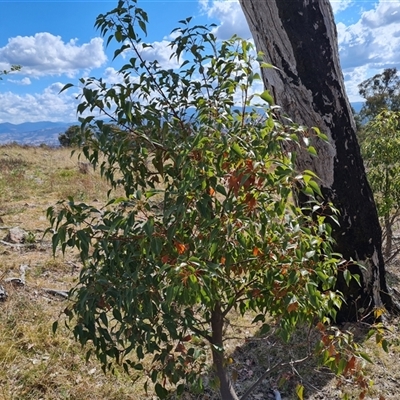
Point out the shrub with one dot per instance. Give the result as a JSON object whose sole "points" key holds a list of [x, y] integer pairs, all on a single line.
{"points": [[207, 224]]}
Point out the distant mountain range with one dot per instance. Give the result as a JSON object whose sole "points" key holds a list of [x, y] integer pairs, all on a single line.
{"points": [[45, 132], [33, 133]]}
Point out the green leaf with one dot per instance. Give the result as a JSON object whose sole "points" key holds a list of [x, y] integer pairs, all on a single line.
{"points": [[142, 25], [259, 317], [180, 389], [148, 227], [308, 191], [267, 97], [138, 367], [161, 392], [366, 357], [170, 295], [315, 187], [84, 241], [117, 315], [385, 345], [312, 151], [300, 391], [341, 366], [154, 375], [265, 329], [347, 276], [65, 87], [213, 248], [140, 354], [356, 277], [266, 65], [156, 245], [322, 275], [237, 149], [242, 240]]}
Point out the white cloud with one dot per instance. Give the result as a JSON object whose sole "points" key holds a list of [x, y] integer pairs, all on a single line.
{"points": [[24, 81], [48, 105], [385, 14], [366, 47], [353, 77], [112, 76], [340, 5], [230, 16], [160, 51], [369, 45], [46, 54]]}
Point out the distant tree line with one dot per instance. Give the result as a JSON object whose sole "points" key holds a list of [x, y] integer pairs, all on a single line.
{"points": [[379, 137], [73, 135]]}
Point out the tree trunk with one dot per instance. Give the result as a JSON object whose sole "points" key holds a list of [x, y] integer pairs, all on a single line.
{"points": [[389, 236], [387, 220], [299, 37], [225, 384]]}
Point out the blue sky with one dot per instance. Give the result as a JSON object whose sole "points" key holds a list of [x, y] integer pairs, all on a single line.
{"points": [[56, 43]]}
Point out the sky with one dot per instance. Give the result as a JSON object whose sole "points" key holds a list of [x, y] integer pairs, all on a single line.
{"points": [[56, 43]]}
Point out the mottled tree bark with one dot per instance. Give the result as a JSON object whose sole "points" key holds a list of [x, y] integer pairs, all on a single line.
{"points": [[299, 38]]}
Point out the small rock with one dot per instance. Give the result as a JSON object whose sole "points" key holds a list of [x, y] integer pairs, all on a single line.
{"points": [[16, 235], [3, 294]]}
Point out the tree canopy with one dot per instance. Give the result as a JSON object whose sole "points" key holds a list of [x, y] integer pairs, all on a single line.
{"points": [[381, 151], [70, 136], [381, 92], [378, 132]]}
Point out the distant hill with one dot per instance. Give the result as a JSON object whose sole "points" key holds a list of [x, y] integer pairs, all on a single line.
{"points": [[46, 132], [33, 133], [357, 105]]}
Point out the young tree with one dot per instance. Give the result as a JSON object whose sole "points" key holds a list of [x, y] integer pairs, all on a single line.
{"points": [[207, 224], [69, 137], [381, 92], [299, 38], [381, 151]]}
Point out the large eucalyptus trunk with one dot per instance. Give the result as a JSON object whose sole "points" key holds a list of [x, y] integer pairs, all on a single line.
{"points": [[299, 38]]}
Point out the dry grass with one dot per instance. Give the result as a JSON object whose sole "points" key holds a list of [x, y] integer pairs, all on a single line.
{"points": [[35, 364]]}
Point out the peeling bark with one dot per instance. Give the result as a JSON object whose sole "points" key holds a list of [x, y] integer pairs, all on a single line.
{"points": [[299, 37]]}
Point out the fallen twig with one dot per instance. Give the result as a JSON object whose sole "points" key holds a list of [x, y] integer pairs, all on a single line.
{"points": [[17, 245], [15, 281], [267, 372], [56, 292]]}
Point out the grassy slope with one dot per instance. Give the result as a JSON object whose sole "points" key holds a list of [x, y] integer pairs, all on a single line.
{"points": [[34, 364]]}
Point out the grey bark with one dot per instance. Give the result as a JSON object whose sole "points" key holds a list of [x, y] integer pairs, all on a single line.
{"points": [[226, 388], [299, 38], [389, 236]]}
